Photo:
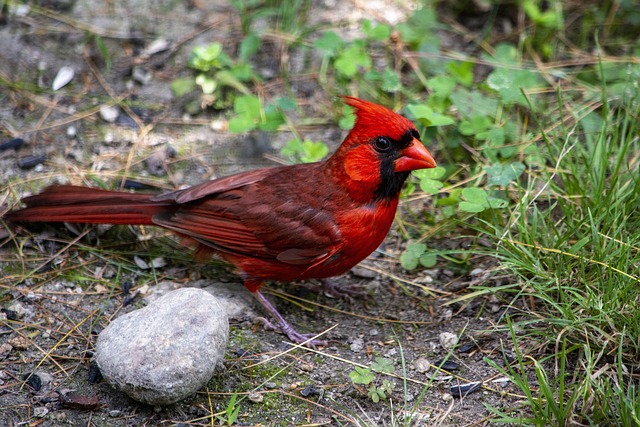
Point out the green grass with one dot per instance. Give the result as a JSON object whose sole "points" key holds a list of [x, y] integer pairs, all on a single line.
{"points": [[571, 245]]}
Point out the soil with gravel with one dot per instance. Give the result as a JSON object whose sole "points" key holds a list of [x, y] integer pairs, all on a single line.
{"points": [[61, 286]]}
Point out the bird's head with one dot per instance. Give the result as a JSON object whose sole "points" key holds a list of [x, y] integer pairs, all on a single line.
{"points": [[380, 150]]}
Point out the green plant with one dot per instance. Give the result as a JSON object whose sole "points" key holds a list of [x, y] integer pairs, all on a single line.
{"points": [[305, 151], [250, 114], [366, 376], [231, 411], [216, 72], [416, 254]]}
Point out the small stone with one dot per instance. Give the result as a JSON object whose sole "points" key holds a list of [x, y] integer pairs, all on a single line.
{"points": [[307, 367], [72, 132], [109, 113], [270, 385], [40, 412], [476, 272], [255, 397], [33, 380], [312, 390], [447, 397], [19, 309], [156, 46], [448, 340], [365, 273], [391, 353], [422, 365], [218, 125], [141, 75], [45, 378], [19, 343], [172, 347], [373, 332], [357, 345], [5, 349]]}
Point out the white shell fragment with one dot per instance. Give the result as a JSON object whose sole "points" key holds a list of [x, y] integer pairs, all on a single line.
{"points": [[64, 76]]}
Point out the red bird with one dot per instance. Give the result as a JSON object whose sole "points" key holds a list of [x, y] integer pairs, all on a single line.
{"points": [[287, 223]]}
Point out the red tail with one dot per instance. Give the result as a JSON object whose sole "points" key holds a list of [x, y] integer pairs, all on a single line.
{"points": [[69, 203]]}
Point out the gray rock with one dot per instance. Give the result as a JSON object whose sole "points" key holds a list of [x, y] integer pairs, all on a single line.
{"points": [[166, 351], [236, 299]]}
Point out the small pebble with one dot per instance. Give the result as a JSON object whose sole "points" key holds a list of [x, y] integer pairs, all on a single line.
{"points": [[312, 390], [19, 343], [448, 340], [40, 412], [357, 345], [141, 75], [156, 46], [33, 380], [255, 397], [8, 314], [307, 367], [109, 113], [5, 349], [422, 365], [18, 309], [72, 132], [365, 273], [476, 272]]}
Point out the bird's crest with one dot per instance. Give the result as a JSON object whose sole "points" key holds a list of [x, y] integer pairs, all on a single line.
{"points": [[373, 119]]}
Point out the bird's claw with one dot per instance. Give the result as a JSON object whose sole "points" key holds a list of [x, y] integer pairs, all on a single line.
{"points": [[295, 336]]}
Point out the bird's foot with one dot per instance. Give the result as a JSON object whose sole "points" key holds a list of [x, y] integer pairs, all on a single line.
{"points": [[335, 289], [295, 336], [284, 327]]}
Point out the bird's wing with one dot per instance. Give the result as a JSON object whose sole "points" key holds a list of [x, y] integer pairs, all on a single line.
{"points": [[215, 186], [256, 215]]}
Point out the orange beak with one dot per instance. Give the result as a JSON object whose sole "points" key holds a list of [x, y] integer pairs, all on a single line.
{"points": [[415, 156]]}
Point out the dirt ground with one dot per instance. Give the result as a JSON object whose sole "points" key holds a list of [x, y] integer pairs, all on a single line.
{"points": [[59, 289]]}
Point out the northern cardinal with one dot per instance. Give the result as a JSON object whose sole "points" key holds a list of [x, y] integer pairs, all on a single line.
{"points": [[304, 221]]}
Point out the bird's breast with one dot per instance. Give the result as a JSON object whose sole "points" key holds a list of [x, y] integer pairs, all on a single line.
{"points": [[365, 228]]}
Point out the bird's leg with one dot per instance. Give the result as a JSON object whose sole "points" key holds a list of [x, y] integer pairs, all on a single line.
{"points": [[284, 326], [335, 289]]}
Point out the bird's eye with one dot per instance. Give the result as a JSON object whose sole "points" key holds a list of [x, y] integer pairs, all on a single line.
{"points": [[382, 144]]}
